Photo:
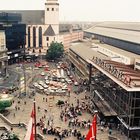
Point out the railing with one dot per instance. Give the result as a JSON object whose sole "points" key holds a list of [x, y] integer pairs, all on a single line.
{"points": [[14, 125]]}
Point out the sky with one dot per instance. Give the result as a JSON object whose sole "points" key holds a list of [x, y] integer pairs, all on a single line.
{"points": [[83, 10]]}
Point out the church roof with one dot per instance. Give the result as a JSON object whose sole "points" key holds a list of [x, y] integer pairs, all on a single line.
{"points": [[49, 31]]}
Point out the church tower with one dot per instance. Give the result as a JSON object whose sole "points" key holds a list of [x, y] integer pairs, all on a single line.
{"points": [[52, 15]]}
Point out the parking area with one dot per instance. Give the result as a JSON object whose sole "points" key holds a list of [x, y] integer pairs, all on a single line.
{"points": [[53, 79]]}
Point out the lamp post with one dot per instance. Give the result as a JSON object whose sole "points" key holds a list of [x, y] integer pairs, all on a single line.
{"points": [[24, 69]]}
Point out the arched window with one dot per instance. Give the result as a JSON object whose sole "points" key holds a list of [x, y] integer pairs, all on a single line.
{"points": [[34, 37], [40, 37], [29, 40]]}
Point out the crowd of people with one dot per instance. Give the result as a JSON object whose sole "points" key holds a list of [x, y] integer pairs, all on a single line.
{"points": [[63, 133], [70, 114]]}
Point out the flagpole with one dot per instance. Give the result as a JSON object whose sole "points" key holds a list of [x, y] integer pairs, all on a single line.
{"points": [[35, 135]]}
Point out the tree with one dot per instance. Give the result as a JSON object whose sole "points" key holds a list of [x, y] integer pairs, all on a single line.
{"points": [[5, 102], [55, 51]]}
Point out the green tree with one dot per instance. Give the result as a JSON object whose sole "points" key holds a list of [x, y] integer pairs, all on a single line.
{"points": [[55, 51], [5, 102]]}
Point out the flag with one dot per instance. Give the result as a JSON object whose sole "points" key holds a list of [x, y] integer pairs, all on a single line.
{"points": [[30, 128], [93, 129]]}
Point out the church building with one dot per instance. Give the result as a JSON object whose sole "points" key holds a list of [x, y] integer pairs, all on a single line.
{"points": [[40, 36]]}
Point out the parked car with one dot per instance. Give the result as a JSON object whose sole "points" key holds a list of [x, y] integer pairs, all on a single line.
{"points": [[42, 74]]}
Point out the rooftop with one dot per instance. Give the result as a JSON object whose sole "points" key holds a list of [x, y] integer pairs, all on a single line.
{"points": [[116, 50], [127, 31], [49, 31], [84, 50], [123, 75]]}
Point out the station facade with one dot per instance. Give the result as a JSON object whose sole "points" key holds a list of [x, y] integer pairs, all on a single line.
{"points": [[113, 74]]}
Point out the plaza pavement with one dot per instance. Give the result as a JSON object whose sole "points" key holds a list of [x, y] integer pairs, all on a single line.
{"points": [[23, 115]]}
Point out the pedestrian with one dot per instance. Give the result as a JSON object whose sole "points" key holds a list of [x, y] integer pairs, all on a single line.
{"points": [[48, 122], [11, 128], [16, 108], [102, 129], [110, 131], [14, 115]]}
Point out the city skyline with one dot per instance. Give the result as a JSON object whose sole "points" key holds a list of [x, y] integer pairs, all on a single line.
{"points": [[95, 10]]}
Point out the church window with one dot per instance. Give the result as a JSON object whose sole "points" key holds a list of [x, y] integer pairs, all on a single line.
{"points": [[52, 9], [47, 9], [29, 35], [40, 36], [47, 38], [34, 37]]}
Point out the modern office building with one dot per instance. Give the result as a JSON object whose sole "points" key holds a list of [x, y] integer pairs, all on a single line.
{"points": [[15, 34], [114, 85], [8, 18], [3, 54]]}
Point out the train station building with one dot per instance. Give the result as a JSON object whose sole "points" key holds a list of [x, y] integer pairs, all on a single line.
{"points": [[111, 66]]}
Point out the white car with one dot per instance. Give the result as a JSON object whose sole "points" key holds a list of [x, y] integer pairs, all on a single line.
{"points": [[45, 86], [68, 81], [42, 73], [40, 87], [41, 83], [46, 78], [36, 68], [65, 88], [35, 84], [60, 91], [51, 91], [63, 80], [46, 66], [47, 82]]}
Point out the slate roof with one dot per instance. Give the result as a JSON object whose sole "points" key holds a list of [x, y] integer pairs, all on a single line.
{"points": [[49, 31]]}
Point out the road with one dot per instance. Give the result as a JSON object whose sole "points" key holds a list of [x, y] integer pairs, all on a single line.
{"points": [[11, 80]]}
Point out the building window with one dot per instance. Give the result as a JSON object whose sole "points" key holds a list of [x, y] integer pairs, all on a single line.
{"points": [[47, 9], [40, 37], [47, 44], [52, 9], [34, 37], [47, 38], [29, 35]]}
